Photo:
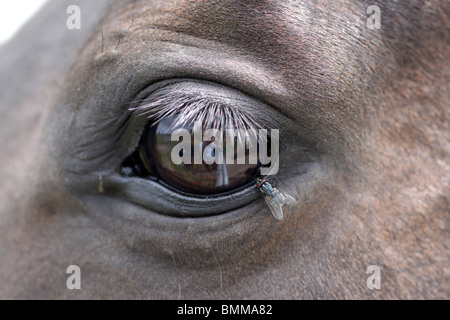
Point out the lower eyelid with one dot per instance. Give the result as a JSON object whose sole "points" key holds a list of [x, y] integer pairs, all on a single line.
{"points": [[157, 198]]}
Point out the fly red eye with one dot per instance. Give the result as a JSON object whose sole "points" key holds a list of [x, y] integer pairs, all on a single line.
{"points": [[156, 154]]}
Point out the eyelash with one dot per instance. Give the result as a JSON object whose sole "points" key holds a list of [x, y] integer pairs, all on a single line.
{"points": [[188, 110]]}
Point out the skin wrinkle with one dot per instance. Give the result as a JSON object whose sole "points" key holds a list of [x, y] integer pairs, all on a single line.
{"points": [[219, 267], [178, 276], [372, 102]]}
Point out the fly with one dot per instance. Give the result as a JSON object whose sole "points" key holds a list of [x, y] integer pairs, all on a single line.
{"points": [[275, 198]]}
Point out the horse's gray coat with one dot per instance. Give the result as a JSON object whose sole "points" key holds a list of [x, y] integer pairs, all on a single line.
{"points": [[372, 105]]}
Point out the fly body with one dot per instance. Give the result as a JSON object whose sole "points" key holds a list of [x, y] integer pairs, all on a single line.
{"points": [[275, 198]]}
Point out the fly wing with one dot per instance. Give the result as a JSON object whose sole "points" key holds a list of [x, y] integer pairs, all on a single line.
{"points": [[286, 198], [275, 205]]}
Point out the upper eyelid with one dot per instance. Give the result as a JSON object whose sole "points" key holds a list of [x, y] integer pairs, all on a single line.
{"points": [[188, 109], [261, 115]]}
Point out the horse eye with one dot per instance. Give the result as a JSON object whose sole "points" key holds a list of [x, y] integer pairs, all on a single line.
{"points": [[205, 170]]}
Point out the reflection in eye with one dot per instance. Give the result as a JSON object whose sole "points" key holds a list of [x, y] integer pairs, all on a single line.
{"points": [[203, 178], [206, 167]]}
